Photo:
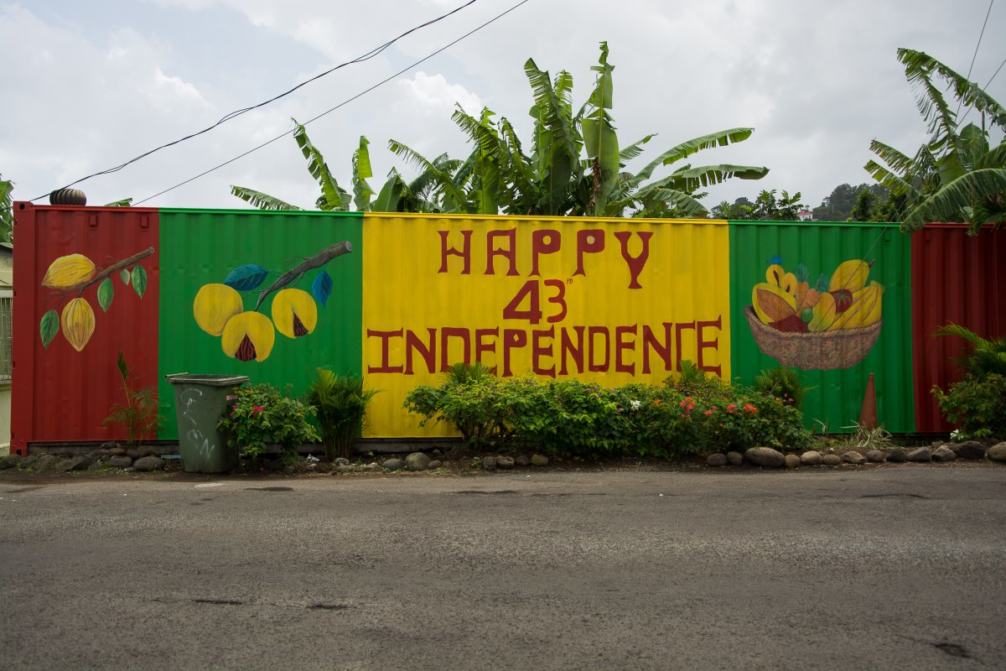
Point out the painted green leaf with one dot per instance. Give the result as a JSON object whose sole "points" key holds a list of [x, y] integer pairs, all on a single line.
{"points": [[48, 327], [139, 280], [106, 292], [125, 276]]}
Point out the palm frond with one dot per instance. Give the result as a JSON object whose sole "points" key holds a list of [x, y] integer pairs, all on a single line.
{"points": [[634, 149], [333, 197], [442, 179], [362, 171], [961, 200], [919, 63], [262, 201]]}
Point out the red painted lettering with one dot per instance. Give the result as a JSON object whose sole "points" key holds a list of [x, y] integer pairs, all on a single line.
{"points": [[511, 338], [509, 252], [539, 350], [465, 252], [543, 241], [635, 263], [590, 241], [678, 328], [592, 365], [663, 350], [446, 333], [385, 337], [703, 344], [482, 346], [567, 349], [426, 350], [621, 345]]}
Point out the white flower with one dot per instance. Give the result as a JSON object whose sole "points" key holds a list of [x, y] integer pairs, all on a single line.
{"points": [[312, 459], [635, 405]]}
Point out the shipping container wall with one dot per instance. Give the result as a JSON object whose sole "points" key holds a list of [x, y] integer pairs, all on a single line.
{"points": [[833, 301], [956, 278], [609, 301], [398, 298], [88, 286], [270, 295]]}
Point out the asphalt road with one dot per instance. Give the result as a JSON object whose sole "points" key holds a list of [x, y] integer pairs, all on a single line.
{"points": [[889, 568]]}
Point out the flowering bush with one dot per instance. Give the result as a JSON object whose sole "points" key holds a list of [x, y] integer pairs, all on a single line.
{"points": [[260, 416], [573, 417]]}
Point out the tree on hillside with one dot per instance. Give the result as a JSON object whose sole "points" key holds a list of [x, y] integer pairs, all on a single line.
{"points": [[767, 206], [839, 204], [957, 175], [574, 164], [6, 210]]}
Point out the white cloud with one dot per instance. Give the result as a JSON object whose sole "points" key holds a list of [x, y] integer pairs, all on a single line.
{"points": [[435, 95]]}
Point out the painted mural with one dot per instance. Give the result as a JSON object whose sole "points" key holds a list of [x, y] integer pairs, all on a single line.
{"points": [[275, 295], [73, 275], [609, 301], [248, 335], [833, 324]]}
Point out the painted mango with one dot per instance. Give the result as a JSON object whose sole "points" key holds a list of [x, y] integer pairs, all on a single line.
{"points": [[806, 297], [771, 303], [77, 321], [248, 336], [850, 275], [824, 314], [294, 312], [214, 305], [68, 271], [864, 310]]}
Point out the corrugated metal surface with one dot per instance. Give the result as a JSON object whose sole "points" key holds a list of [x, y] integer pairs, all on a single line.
{"points": [[201, 247], [606, 300], [834, 367], [955, 278], [60, 393]]}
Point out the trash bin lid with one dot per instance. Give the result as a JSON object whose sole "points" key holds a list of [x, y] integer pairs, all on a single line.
{"points": [[207, 380]]}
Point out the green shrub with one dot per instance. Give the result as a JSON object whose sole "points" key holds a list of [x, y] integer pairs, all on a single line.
{"points": [[340, 403], [260, 416], [976, 405], [576, 418], [782, 383]]}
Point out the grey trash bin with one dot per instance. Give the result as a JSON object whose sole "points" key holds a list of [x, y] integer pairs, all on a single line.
{"points": [[200, 401]]}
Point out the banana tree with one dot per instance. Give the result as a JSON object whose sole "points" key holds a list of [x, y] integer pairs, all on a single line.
{"points": [[6, 210], [957, 175], [575, 166], [396, 195]]}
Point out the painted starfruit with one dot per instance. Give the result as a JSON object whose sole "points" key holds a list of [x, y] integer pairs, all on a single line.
{"points": [[824, 313]]}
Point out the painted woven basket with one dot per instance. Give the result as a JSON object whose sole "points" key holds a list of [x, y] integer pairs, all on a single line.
{"points": [[829, 350]]}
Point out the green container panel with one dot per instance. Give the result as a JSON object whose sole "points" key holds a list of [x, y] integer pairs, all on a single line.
{"points": [[201, 247], [813, 250]]}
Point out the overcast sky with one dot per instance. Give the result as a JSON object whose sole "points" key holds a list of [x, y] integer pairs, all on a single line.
{"points": [[87, 85]]}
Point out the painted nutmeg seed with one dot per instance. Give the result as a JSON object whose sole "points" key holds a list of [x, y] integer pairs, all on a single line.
{"points": [[294, 312], [248, 336]]}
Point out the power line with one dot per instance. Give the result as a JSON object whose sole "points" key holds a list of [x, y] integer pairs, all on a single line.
{"points": [[340, 105], [975, 54], [244, 110], [991, 79]]}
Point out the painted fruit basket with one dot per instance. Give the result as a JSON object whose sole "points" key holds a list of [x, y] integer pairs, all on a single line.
{"points": [[827, 350]]}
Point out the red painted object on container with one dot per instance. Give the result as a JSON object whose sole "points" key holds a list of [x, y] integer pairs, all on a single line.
{"points": [[956, 278], [86, 288]]}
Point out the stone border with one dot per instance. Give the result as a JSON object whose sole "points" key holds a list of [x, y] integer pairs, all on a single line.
{"points": [[767, 457]]}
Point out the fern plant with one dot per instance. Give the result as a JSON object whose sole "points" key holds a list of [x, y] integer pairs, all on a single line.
{"points": [[341, 403]]}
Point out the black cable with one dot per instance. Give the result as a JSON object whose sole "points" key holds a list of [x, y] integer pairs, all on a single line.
{"points": [[236, 113], [975, 54], [341, 104], [991, 79]]}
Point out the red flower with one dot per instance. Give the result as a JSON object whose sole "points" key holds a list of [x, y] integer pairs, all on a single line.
{"points": [[708, 412], [258, 408], [732, 408], [750, 409]]}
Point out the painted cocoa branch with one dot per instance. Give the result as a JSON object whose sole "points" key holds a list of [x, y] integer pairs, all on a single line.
{"points": [[118, 265], [316, 261]]}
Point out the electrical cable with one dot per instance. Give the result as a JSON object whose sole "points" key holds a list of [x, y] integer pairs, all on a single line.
{"points": [[338, 106], [236, 113], [975, 54], [991, 79]]}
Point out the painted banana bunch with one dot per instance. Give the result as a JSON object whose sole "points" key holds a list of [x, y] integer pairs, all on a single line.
{"points": [[788, 303]]}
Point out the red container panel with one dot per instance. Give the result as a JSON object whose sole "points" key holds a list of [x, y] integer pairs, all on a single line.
{"points": [[63, 390], [956, 278]]}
